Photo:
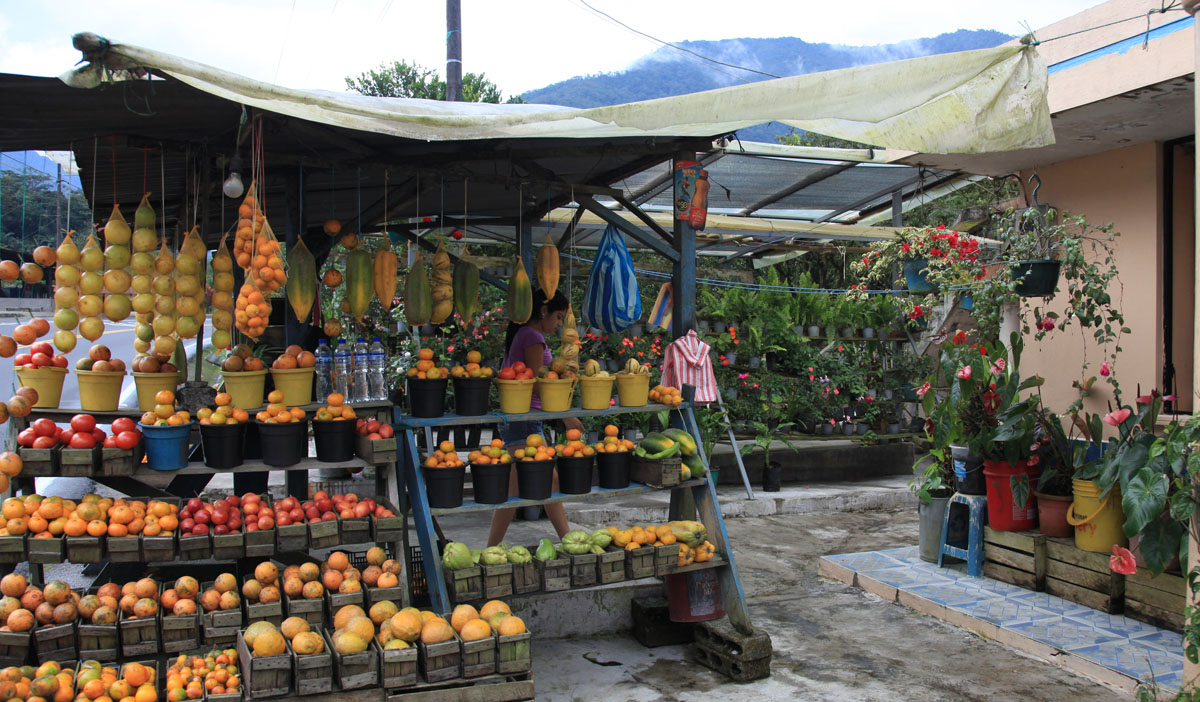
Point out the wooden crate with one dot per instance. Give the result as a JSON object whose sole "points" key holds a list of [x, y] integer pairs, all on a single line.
{"points": [[554, 574], [663, 472], [387, 528], [221, 618], [79, 463], [384, 594], [97, 642], [355, 530], [1156, 599], [85, 549], [221, 637], [666, 559], [139, 637], [227, 696], [195, 547], [514, 653], [397, 666], [264, 676], [14, 647], [1016, 557], [497, 581], [324, 534], [1083, 576], [440, 661], [377, 452], [261, 543], [55, 643], [583, 569], [257, 611], [465, 585], [46, 549], [13, 549], [313, 673], [39, 463], [124, 549], [116, 462], [479, 657], [489, 688], [639, 562], [336, 600], [526, 578], [354, 670], [178, 632], [293, 537], [610, 567], [159, 549], [311, 611], [228, 547]]}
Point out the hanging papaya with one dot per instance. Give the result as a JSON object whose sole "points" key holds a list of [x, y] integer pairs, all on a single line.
{"points": [[441, 287], [547, 267], [359, 287], [385, 274], [466, 288], [569, 346], [301, 280], [418, 303], [520, 297]]}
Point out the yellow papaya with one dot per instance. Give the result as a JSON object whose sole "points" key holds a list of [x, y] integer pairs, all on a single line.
{"points": [[520, 297], [418, 303], [359, 286], [385, 267], [302, 280], [547, 267], [466, 288]]}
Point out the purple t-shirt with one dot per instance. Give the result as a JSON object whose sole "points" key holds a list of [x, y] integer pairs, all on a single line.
{"points": [[525, 337]]}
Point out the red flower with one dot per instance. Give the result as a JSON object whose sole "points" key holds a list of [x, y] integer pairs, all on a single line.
{"points": [[991, 402], [724, 361], [1115, 419], [1122, 561], [941, 226], [906, 247], [964, 373], [982, 350], [935, 252], [960, 337], [923, 389]]}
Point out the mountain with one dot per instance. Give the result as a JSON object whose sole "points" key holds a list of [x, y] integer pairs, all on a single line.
{"points": [[667, 71]]}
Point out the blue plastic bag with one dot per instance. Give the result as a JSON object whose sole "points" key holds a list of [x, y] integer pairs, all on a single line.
{"points": [[612, 302]]}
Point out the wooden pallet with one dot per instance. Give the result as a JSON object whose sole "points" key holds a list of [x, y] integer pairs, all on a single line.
{"points": [[1083, 576], [1016, 557], [1156, 599]]}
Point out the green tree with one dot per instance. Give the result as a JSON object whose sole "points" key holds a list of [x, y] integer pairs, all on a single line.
{"points": [[28, 207], [412, 80]]}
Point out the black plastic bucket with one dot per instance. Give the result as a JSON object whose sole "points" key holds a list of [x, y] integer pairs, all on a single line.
{"points": [[426, 398], [490, 483], [772, 477], [471, 396], [614, 469], [223, 444], [535, 479], [283, 444], [444, 486], [968, 471], [575, 475], [1036, 278], [334, 439]]}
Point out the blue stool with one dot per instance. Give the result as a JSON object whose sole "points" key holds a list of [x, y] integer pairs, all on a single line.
{"points": [[973, 553]]}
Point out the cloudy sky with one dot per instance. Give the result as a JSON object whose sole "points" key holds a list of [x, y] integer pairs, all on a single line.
{"points": [[520, 44]]}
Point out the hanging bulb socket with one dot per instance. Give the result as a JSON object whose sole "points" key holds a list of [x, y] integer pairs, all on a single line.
{"points": [[233, 186]]}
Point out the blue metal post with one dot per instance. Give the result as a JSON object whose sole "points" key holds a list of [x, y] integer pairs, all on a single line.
{"points": [[423, 523], [683, 278]]}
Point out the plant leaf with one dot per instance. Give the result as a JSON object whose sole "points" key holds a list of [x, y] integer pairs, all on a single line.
{"points": [[1159, 543], [1143, 499]]}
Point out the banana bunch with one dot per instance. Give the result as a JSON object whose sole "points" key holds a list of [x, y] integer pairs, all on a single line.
{"points": [[570, 341], [633, 367], [442, 286], [222, 299]]}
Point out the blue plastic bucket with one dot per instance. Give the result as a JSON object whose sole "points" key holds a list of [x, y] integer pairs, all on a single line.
{"points": [[166, 447], [916, 277]]}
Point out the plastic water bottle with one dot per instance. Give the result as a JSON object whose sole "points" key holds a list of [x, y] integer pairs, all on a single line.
{"points": [[362, 390], [324, 379], [376, 361], [341, 370]]}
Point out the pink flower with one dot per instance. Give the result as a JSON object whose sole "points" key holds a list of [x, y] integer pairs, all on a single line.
{"points": [[964, 373], [1105, 369], [836, 391], [810, 369], [811, 377], [756, 385], [612, 401], [923, 389], [1034, 460], [839, 348], [1115, 419], [743, 376], [998, 366], [1122, 561]]}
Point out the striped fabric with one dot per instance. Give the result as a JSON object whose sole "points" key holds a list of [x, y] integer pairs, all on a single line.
{"points": [[660, 313], [612, 302], [687, 361]]}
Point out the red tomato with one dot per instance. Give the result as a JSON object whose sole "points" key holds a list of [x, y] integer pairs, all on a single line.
{"points": [[44, 442], [65, 435], [386, 431], [98, 433], [199, 529], [265, 522], [26, 437], [373, 426], [519, 367], [362, 509], [234, 501], [23, 359], [40, 359], [43, 427], [123, 424], [111, 442], [41, 347], [59, 361], [507, 374], [82, 441], [83, 423], [127, 439]]}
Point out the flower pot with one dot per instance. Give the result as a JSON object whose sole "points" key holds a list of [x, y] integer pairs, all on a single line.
{"points": [[887, 394], [284, 444], [931, 516], [1052, 515], [613, 469], [968, 471], [535, 479], [729, 326], [556, 395], [893, 428], [515, 395], [166, 447], [636, 330], [754, 362], [731, 393], [848, 428], [426, 398], [703, 325], [444, 486], [1004, 514], [150, 384], [826, 429], [245, 387], [917, 278], [772, 477], [99, 391], [402, 327], [489, 483], [595, 393], [575, 475], [48, 381], [633, 389], [223, 444], [849, 332], [1099, 522], [731, 357], [814, 330], [967, 302], [868, 333], [471, 396], [861, 428], [334, 439], [1134, 548], [296, 384], [1036, 278]]}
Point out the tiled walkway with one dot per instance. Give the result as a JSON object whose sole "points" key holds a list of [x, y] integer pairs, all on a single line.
{"points": [[1036, 622]]}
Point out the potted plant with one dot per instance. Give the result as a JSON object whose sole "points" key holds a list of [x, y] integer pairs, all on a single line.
{"points": [[934, 488], [919, 251], [764, 436]]}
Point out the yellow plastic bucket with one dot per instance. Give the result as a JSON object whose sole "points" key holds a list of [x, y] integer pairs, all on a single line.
{"points": [[246, 388], [555, 394], [633, 389], [100, 391], [47, 380], [515, 395], [149, 384], [296, 384], [595, 393], [1099, 523]]}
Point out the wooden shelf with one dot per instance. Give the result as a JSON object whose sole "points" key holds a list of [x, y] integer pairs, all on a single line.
{"points": [[68, 412], [198, 468], [598, 494], [449, 420]]}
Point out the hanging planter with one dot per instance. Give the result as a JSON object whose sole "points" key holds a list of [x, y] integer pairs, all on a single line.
{"points": [[1036, 278], [917, 278]]}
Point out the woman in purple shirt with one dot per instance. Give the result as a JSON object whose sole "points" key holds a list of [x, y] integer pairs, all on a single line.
{"points": [[527, 343]]}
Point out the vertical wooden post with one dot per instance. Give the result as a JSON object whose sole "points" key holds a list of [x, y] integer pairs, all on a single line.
{"points": [[897, 209], [683, 273], [453, 51], [1191, 671]]}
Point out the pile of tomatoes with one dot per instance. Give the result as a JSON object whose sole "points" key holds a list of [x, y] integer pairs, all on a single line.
{"points": [[81, 433], [41, 353], [517, 371]]}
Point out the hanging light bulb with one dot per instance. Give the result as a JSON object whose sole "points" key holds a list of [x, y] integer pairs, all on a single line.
{"points": [[233, 186]]}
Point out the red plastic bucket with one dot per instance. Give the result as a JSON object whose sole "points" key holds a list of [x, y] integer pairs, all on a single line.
{"points": [[695, 596], [1003, 512]]}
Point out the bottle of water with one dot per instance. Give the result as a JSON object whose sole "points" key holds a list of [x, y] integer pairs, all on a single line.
{"points": [[341, 370], [376, 361], [324, 373], [362, 390]]}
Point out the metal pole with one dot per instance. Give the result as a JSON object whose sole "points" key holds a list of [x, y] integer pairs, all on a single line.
{"points": [[58, 206], [683, 272], [453, 51], [1191, 671], [898, 209]]}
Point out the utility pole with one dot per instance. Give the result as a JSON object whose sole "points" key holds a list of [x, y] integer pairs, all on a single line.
{"points": [[58, 204], [453, 51]]}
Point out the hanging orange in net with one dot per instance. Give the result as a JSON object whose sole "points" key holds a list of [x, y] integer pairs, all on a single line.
{"points": [[252, 310], [251, 221], [266, 267]]}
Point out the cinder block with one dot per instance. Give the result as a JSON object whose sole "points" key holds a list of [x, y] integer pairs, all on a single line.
{"points": [[652, 625], [720, 637], [736, 669]]}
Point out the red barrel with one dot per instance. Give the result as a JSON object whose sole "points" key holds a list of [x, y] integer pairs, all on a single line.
{"points": [[1003, 512], [695, 596]]}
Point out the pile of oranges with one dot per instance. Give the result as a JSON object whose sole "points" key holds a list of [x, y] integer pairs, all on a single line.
{"points": [[472, 369], [335, 408], [444, 457], [535, 449], [225, 413], [575, 447], [492, 453], [24, 604], [190, 676], [426, 368], [255, 247], [666, 395], [135, 683], [612, 443], [277, 412], [295, 357], [264, 586], [47, 517], [251, 311], [222, 595], [164, 412]]}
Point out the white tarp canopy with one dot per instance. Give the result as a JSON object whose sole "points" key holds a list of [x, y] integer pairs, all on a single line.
{"points": [[966, 102]]}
